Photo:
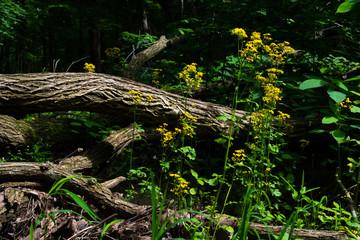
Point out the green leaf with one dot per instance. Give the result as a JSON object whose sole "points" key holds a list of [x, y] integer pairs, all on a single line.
{"points": [[192, 191], [338, 135], [222, 118], [345, 7], [75, 124], [312, 83], [213, 181], [188, 152], [329, 120], [82, 204], [221, 141], [355, 126], [317, 131], [336, 95], [355, 109], [194, 173], [107, 226]]}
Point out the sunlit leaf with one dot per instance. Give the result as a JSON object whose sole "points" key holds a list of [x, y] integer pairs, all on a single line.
{"points": [[312, 83], [329, 120], [336, 95]]}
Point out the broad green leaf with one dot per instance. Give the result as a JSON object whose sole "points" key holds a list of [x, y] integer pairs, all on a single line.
{"points": [[355, 109], [336, 95], [329, 120], [338, 135], [312, 83], [345, 7], [192, 191]]}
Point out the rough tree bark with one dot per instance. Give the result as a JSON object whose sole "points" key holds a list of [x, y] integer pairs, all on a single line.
{"points": [[38, 92], [101, 197], [138, 60]]}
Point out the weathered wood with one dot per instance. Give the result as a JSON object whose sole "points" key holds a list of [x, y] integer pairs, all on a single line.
{"points": [[94, 192], [42, 92], [107, 202], [139, 59], [103, 152]]}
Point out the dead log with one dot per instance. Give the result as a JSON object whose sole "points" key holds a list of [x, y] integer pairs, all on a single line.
{"points": [[139, 59], [101, 154], [18, 133], [44, 92], [108, 203], [94, 192]]}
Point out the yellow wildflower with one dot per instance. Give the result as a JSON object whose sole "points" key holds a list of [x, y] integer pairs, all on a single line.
{"points": [[135, 95], [268, 169], [180, 184], [267, 36], [112, 52], [166, 135], [346, 103], [156, 76], [271, 94], [191, 76], [255, 36], [151, 99], [239, 32], [89, 67], [282, 117], [259, 118], [238, 155]]}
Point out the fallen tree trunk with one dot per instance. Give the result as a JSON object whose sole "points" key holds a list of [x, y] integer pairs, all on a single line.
{"points": [[43, 92], [103, 199], [29, 93]]}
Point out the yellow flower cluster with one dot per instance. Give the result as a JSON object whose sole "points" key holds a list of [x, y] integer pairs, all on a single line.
{"points": [[271, 94], [89, 67], [191, 76], [278, 52], [239, 155], [282, 117], [135, 95], [186, 120], [156, 76], [180, 184], [112, 52], [346, 103], [166, 135], [260, 117], [239, 32], [252, 49], [187, 128]]}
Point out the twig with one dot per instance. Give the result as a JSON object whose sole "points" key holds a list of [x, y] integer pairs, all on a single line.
{"points": [[348, 196], [91, 227], [75, 62]]}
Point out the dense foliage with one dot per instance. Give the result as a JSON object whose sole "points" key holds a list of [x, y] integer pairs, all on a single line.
{"points": [[281, 61]]}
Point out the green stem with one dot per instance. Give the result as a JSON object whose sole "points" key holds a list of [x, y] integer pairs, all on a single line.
{"points": [[133, 135]]}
